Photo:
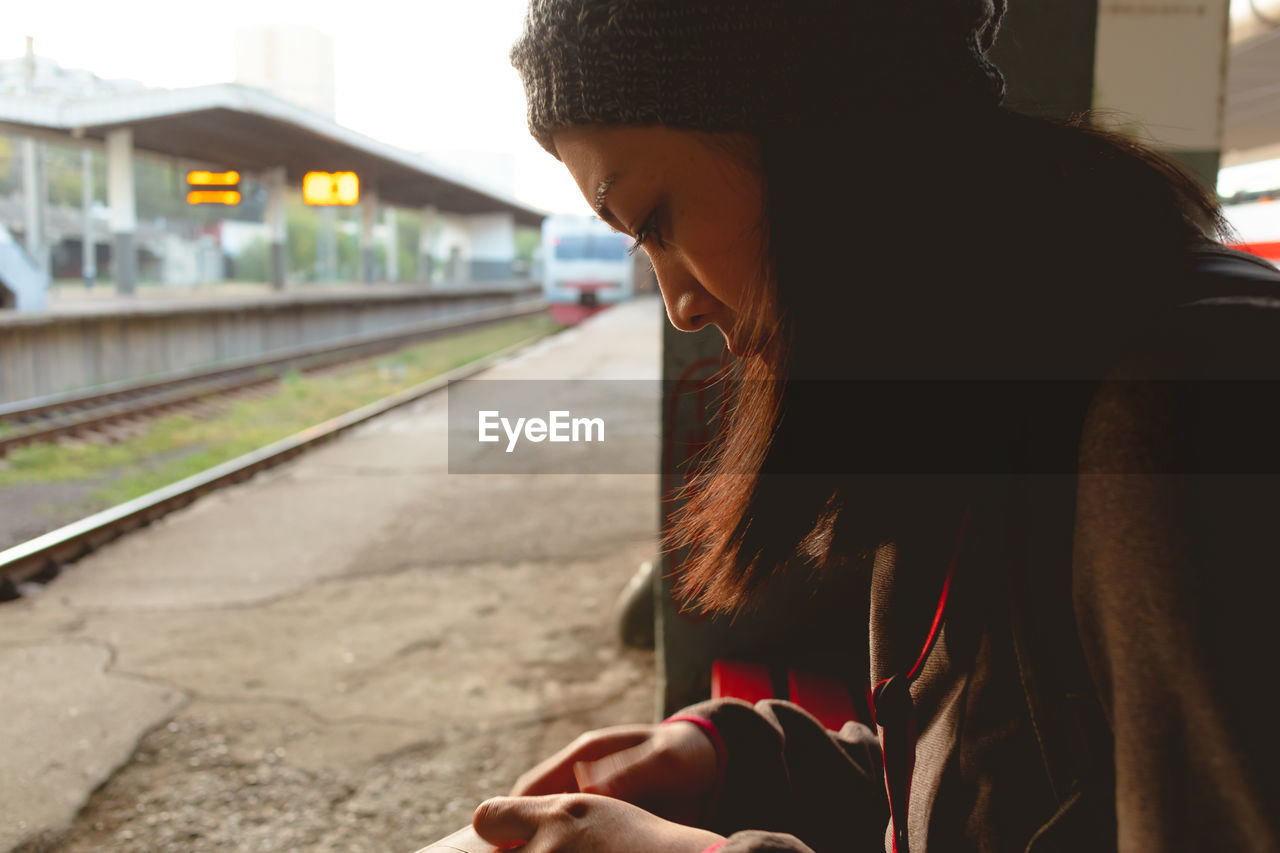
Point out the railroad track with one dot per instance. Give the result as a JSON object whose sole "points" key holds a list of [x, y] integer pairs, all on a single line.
{"points": [[42, 558], [81, 414]]}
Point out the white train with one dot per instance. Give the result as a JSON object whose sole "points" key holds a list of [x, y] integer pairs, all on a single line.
{"points": [[585, 266], [1259, 225]]}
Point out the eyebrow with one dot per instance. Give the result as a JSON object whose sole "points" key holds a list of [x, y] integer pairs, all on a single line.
{"points": [[601, 202]]}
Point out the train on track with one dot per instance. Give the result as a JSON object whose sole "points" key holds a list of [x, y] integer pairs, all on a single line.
{"points": [[1258, 222], [585, 266]]}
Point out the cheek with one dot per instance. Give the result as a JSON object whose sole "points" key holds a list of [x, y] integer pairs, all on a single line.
{"points": [[725, 252], [729, 283], [727, 270]]}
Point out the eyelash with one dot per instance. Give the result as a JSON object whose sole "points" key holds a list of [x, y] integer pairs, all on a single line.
{"points": [[647, 230]]}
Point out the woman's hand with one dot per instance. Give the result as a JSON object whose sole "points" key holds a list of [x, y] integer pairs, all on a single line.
{"points": [[582, 823], [669, 769]]}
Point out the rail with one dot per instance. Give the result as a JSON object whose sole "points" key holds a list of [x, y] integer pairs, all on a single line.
{"points": [[44, 555]]}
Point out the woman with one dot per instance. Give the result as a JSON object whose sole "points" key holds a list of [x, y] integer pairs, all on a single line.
{"points": [[892, 400]]}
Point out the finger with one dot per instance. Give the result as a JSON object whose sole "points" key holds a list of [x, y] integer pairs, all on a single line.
{"points": [[555, 774], [622, 775], [506, 821]]}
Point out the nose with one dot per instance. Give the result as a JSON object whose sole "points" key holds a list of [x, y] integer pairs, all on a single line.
{"points": [[689, 306]]}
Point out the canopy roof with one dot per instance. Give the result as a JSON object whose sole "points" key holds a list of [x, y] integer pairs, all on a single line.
{"points": [[237, 127]]}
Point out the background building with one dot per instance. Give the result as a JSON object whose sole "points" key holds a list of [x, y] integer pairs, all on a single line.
{"points": [[40, 75], [291, 62]]}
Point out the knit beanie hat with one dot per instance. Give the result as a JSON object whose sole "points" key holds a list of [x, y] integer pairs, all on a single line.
{"points": [[749, 65]]}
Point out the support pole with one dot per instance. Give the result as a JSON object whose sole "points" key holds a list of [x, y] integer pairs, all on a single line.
{"points": [[88, 243], [426, 243], [368, 219], [277, 227], [33, 195], [393, 259], [124, 215]]}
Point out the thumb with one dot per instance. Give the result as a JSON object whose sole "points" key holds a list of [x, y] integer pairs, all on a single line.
{"points": [[623, 775]]}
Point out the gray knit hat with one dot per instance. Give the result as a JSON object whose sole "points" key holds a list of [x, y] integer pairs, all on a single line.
{"points": [[748, 65]]}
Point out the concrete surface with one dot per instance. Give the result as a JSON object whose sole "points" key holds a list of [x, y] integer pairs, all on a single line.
{"points": [[346, 653], [63, 734]]}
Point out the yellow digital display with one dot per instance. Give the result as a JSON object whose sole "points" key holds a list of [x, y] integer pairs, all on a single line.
{"points": [[327, 188], [213, 197], [213, 179]]}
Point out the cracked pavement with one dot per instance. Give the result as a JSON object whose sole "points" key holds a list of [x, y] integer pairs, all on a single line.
{"points": [[347, 653]]}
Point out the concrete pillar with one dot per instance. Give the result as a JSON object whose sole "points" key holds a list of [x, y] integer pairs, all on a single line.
{"points": [[393, 259], [35, 194], [368, 219], [276, 227], [124, 214], [426, 243], [88, 243], [1166, 75], [492, 239]]}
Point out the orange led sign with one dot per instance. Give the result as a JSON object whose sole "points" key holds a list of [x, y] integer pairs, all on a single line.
{"points": [[202, 183], [213, 179], [328, 188], [213, 197]]}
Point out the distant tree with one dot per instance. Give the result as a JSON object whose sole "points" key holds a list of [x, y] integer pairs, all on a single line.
{"points": [[302, 225], [527, 242], [408, 233], [251, 263], [64, 173], [8, 165], [350, 258]]}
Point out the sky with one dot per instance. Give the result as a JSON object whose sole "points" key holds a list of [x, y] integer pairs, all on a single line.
{"points": [[427, 75]]}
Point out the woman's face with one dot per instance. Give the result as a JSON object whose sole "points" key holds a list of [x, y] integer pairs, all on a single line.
{"points": [[694, 206]]}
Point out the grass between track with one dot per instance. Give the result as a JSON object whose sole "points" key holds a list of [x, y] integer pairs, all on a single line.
{"points": [[179, 445]]}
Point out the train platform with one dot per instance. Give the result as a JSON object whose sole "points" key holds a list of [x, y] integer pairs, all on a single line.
{"points": [[87, 344], [346, 653], [151, 299]]}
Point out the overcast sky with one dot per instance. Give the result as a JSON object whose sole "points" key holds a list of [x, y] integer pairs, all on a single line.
{"points": [[427, 75]]}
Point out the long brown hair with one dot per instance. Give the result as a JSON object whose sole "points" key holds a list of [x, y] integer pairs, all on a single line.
{"points": [[919, 245]]}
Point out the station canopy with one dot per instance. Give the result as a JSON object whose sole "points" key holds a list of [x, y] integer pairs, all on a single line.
{"points": [[230, 126]]}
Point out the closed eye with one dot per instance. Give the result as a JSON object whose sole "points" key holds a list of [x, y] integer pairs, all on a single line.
{"points": [[648, 231]]}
